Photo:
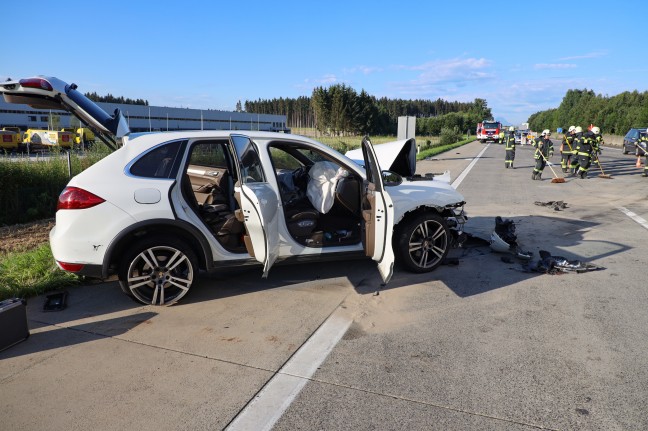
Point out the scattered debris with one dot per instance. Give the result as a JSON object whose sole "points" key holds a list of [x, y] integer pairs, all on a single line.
{"points": [[56, 301], [556, 205], [450, 261], [504, 239], [558, 265]]}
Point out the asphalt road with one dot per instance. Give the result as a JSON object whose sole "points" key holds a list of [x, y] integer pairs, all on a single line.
{"points": [[480, 345]]}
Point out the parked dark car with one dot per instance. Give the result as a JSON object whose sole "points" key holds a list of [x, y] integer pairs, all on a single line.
{"points": [[630, 140]]}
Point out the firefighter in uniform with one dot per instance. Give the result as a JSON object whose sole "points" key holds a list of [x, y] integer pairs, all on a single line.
{"points": [[566, 148], [596, 147], [640, 150], [501, 137], [543, 151], [578, 139], [584, 150], [509, 142]]}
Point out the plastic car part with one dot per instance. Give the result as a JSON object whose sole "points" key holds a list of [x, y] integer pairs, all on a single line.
{"points": [[56, 301], [558, 264], [423, 242], [498, 244]]}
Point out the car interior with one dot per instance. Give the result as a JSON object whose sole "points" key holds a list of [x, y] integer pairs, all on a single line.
{"points": [[208, 188]]}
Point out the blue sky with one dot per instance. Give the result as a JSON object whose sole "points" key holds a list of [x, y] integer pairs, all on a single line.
{"points": [[520, 57]]}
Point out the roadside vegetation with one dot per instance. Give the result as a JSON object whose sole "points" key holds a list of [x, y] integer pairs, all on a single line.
{"points": [[30, 189], [614, 115], [32, 272]]}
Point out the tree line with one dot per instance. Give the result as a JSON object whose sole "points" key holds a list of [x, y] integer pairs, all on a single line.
{"points": [[109, 98], [341, 110], [613, 115]]}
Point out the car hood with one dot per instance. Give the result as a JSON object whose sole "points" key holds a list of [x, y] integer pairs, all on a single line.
{"points": [[397, 156]]}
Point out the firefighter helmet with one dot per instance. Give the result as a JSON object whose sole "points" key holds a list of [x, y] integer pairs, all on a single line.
{"points": [[572, 128], [596, 130], [546, 132], [578, 129], [511, 129]]}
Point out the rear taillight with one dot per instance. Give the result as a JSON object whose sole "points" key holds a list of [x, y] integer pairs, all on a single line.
{"points": [[74, 198], [6, 138], [36, 83], [72, 267]]}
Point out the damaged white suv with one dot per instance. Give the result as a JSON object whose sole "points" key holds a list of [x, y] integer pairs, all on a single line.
{"points": [[165, 205]]}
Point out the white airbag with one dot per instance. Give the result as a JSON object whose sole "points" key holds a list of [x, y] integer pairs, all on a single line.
{"points": [[321, 185]]}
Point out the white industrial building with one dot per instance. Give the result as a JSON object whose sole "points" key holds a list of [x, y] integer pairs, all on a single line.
{"points": [[145, 118]]}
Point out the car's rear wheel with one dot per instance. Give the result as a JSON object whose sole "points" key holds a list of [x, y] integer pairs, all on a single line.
{"points": [[625, 149], [423, 242], [158, 271]]}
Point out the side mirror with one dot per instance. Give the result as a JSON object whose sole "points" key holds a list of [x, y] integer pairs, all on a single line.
{"points": [[391, 178]]}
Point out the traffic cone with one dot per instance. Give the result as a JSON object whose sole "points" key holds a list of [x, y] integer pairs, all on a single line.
{"points": [[638, 165]]}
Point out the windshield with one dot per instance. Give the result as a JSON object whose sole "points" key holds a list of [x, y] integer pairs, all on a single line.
{"points": [[491, 125]]}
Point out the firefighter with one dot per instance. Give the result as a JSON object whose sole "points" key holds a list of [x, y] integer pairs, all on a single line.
{"points": [[578, 139], [640, 150], [501, 137], [585, 152], [543, 151], [598, 142], [509, 148], [566, 148]]}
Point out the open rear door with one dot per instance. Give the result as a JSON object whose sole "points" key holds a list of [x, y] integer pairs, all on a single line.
{"points": [[378, 215], [258, 203]]}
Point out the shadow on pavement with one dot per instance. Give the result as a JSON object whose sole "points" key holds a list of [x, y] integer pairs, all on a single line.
{"points": [[481, 270], [56, 337]]}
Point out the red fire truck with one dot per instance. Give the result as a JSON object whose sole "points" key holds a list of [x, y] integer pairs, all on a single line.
{"points": [[488, 130]]}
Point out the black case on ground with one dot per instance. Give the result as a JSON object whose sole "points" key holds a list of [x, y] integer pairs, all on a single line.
{"points": [[13, 322]]}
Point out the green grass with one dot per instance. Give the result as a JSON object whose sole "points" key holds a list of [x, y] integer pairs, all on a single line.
{"points": [[28, 273], [433, 150]]}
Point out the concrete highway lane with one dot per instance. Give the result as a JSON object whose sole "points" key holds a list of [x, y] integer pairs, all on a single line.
{"points": [[484, 344]]}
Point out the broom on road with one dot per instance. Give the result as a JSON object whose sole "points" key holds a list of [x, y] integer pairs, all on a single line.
{"points": [[556, 178], [602, 174]]}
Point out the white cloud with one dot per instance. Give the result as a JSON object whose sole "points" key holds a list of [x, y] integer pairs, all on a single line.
{"points": [[554, 66], [594, 54], [444, 75], [365, 70]]}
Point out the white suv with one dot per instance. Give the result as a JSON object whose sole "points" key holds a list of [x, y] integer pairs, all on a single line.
{"points": [[165, 205]]}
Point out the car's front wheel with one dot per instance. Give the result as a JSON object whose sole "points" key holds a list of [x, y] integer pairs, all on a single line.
{"points": [[158, 271], [423, 242], [625, 149]]}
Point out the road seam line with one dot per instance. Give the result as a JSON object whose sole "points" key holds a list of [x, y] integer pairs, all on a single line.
{"points": [[270, 403], [465, 172], [634, 217]]}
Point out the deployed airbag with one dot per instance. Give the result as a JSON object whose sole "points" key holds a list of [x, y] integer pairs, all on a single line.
{"points": [[322, 183]]}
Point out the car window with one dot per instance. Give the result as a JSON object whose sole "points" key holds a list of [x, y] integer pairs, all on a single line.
{"points": [[209, 154], [158, 162], [249, 162], [283, 160]]}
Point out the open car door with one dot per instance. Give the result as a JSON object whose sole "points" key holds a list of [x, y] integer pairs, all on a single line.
{"points": [[258, 203], [46, 92], [377, 214]]}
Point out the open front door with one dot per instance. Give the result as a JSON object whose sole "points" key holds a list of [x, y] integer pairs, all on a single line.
{"points": [[377, 214], [258, 203]]}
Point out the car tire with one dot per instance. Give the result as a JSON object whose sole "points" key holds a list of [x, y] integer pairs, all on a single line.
{"points": [[423, 242], [158, 271], [625, 149]]}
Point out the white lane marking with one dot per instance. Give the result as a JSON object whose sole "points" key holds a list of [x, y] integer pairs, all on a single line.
{"points": [[463, 175], [276, 396], [634, 217]]}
